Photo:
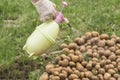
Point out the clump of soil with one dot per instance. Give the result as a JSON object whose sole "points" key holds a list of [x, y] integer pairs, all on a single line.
{"points": [[19, 69], [90, 57]]}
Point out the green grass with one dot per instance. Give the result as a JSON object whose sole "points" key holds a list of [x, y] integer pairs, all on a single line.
{"points": [[84, 15]]}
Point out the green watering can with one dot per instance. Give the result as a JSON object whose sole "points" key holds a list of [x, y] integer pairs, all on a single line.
{"points": [[44, 36]]}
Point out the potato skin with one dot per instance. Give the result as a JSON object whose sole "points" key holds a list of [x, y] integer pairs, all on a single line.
{"points": [[104, 36], [72, 46], [107, 76], [90, 57], [73, 76], [63, 45], [101, 43], [95, 34], [44, 76], [110, 42], [63, 63], [88, 35]]}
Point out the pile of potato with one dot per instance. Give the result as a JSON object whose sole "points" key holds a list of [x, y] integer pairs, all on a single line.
{"points": [[90, 57]]}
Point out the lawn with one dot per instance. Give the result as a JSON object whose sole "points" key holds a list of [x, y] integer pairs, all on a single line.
{"points": [[18, 19]]}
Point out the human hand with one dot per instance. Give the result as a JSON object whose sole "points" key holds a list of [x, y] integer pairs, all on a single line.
{"points": [[46, 9]]}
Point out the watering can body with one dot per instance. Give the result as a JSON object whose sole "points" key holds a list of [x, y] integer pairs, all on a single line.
{"points": [[42, 38]]}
